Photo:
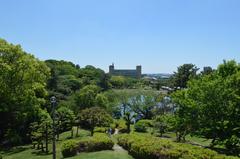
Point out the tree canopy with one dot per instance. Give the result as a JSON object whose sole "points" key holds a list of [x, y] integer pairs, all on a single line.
{"points": [[22, 82]]}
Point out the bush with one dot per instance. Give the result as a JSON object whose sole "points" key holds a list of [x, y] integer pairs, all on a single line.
{"points": [[69, 148], [142, 146], [121, 126], [142, 125], [98, 142], [100, 130]]}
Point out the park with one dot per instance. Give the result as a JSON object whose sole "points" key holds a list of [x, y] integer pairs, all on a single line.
{"points": [[57, 109], [119, 79]]}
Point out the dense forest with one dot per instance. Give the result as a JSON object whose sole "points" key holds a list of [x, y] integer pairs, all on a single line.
{"points": [[199, 103]]}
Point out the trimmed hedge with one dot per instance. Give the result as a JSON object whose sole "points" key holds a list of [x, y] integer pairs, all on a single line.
{"points": [[142, 125], [98, 142], [143, 146], [69, 148], [121, 126], [100, 130]]}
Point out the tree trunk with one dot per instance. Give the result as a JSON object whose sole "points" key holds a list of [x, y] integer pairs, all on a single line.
{"points": [[92, 132], [46, 140], [128, 127], [42, 147], [213, 143], [72, 130], [77, 131]]}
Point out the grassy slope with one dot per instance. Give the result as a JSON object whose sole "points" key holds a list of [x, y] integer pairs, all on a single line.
{"points": [[103, 155], [26, 152]]}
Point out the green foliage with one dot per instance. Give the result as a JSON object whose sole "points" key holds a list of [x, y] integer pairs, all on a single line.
{"points": [[121, 125], [65, 119], [128, 117], [86, 96], [40, 130], [62, 67], [164, 123], [93, 76], [143, 102], [118, 81], [210, 106], [121, 82], [69, 148], [93, 117], [100, 141], [101, 101], [142, 125], [184, 73], [142, 146], [22, 82], [100, 129]]}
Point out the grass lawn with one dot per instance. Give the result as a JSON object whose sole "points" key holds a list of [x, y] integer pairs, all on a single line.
{"points": [[191, 139], [26, 152], [103, 155]]}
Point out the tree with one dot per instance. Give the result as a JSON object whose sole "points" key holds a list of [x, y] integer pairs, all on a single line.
{"points": [[85, 98], [164, 123], [41, 130], [93, 117], [93, 76], [101, 101], [118, 81], [128, 117], [143, 104], [184, 73], [22, 82], [207, 70], [65, 120], [64, 80], [185, 115], [210, 105]]}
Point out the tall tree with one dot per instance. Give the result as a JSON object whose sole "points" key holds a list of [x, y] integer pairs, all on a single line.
{"points": [[86, 97], [143, 104], [184, 73], [22, 82], [95, 116], [210, 105]]}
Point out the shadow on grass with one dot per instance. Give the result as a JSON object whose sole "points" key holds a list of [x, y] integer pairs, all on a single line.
{"points": [[41, 153], [232, 152], [15, 150]]}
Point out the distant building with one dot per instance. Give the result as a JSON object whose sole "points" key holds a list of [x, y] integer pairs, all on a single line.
{"points": [[137, 73]]}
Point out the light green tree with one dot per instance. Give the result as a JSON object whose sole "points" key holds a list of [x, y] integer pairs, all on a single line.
{"points": [[22, 82]]}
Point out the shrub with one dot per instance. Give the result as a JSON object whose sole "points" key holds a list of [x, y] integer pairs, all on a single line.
{"points": [[142, 146], [121, 126], [142, 125], [164, 123], [69, 148], [100, 130], [98, 142]]}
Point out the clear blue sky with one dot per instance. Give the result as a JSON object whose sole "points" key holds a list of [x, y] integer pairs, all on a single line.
{"points": [[158, 34]]}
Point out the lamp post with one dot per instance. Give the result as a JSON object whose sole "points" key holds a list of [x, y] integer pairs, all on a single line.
{"points": [[53, 101]]}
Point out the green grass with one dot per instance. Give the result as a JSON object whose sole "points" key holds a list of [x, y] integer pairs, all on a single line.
{"points": [[26, 152], [190, 139], [103, 155]]}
